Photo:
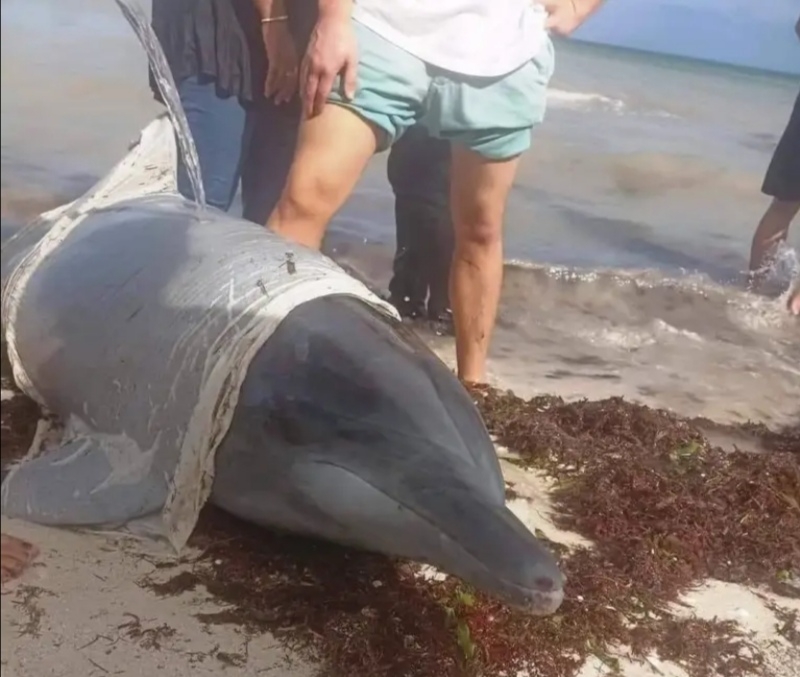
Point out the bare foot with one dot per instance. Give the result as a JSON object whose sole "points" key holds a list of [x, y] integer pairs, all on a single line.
{"points": [[17, 556], [794, 302]]}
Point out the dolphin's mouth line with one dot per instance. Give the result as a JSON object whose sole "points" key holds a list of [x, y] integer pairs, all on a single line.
{"points": [[528, 593]]}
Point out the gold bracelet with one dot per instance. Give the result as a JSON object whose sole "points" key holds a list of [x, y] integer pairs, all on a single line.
{"points": [[271, 19]]}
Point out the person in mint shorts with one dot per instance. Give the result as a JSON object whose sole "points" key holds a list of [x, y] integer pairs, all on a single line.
{"points": [[472, 72]]}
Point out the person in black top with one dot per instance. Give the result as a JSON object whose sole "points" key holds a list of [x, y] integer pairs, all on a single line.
{"points": [[782, 184], [244, 117], [216, 52]]}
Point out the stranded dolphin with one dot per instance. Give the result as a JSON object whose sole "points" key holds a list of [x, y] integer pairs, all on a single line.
{"points": [[195, 356]]}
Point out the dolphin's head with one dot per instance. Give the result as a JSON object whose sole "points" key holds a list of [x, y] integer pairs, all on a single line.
{"points": [[350, 429]]}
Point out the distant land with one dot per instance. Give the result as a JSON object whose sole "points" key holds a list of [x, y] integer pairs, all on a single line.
{"points": [[721, 31]]}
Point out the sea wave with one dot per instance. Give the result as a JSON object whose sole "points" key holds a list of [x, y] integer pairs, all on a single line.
{"points": [[596, 101], [692, 305], [560, 98], [645, 173]]}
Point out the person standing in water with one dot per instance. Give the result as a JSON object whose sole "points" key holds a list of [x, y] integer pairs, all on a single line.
{"points": [[473, 72], [782, 184]]}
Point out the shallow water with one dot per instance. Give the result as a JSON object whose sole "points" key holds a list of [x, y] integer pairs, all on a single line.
{"points": [[629, 223]]}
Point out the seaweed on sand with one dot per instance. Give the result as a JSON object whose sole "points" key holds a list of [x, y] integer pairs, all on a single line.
{"points": [[663, 508], [19, 416]]}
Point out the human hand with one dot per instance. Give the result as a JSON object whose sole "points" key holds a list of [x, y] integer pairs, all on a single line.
{"points": [[564, 16], [332, 51], [282, 62]]}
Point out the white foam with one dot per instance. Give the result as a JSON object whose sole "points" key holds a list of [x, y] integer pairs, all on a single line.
{"points": [[560, 98], [588, 101]]}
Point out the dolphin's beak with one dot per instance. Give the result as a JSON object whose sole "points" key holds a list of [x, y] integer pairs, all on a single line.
{"points": [[422, 513]]}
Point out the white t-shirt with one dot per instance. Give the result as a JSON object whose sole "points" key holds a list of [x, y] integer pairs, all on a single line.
{"points": [[471, 37]]}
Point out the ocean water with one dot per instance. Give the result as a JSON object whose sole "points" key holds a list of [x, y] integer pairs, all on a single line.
{"points": [[627, 230]]}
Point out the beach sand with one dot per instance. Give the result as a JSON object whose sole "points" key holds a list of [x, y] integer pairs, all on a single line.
{"points": [[81, 611]]}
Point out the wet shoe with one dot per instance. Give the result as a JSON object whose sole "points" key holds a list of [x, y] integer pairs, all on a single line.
{"points": [[408, 309], [441, 321]]}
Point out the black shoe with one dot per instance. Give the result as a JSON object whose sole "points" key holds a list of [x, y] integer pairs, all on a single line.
{"points": [[441, 321]]}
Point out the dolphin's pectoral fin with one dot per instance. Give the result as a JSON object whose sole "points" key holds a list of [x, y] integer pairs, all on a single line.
{"points": [[88, 481]]}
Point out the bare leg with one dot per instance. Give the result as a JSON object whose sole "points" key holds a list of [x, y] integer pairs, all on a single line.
{"points": [[331, 154], [17, 556], [479, 188], [794, 300], [772, 230]]}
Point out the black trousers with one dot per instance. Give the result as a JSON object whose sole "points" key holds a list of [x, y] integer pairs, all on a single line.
{"points": [[782, 180], [419, 173], [421, 269]]}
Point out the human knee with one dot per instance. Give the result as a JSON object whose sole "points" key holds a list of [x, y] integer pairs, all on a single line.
{"points": [[309, 193], [479, 190], [479, 236], [478, 226]]}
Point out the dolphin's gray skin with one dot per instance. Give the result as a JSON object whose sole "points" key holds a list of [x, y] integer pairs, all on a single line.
{"points": [[141, 320], [348, 428]]}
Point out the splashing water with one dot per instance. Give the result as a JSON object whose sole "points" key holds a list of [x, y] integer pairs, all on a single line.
{"points": [[135, 16]]}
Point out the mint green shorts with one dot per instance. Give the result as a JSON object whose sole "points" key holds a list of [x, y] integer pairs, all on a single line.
{"points": [[491, 116]]}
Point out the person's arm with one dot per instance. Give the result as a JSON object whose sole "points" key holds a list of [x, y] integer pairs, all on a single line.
{"points": [[564, 16], [797, 28], [271, 9], [335, 8], [587, 7], [332, 51], [282, 61]]}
